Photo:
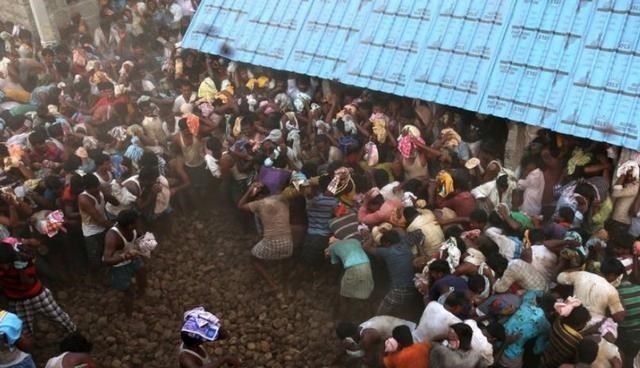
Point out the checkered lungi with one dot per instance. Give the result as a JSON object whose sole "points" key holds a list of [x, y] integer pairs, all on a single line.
{"points": [[42, 303], [273, 248], [357, 282], [395, 298]]}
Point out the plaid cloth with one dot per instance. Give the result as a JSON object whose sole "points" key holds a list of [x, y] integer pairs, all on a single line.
{"points": [[522, 273], [395, 298], [357, 282], [273, 248], [42, 303]]}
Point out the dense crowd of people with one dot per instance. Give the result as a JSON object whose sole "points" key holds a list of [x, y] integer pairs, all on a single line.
{"points": [[109, 134]]}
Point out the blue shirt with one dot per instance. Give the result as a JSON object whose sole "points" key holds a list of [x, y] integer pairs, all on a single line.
{"points": [[319, 213], [530, 322], [399, 261], [348, 251], [442, 286]]}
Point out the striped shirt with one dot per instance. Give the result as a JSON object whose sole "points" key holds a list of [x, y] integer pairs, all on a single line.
{"points": [[345, 227], [563, 344], [630, 296], [319, 213]]}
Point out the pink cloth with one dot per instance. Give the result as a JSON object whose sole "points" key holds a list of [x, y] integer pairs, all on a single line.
{"points": [[405, 144], [565, 308], [381, 215], [391, 345]]}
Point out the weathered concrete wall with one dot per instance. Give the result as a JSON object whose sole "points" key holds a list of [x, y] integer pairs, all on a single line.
{"points": [[61, 12], [19, 12]]}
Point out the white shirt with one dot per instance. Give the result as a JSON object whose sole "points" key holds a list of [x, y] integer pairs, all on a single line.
{"points": [[533, 186], [506, 246], [388, 191], [212, 165], [176, 11], [480, 343], [606, 352], [435, 322], [595, 292], [180, 100], [385, 325], [489, 190], [543, 260]]}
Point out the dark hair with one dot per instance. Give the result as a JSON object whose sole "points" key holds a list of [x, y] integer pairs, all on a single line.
{"points": [[47, 52], [346, 329], [497, 263], [495, 220], [100, 158], [478, 215], [586, 190], [37, 138], [402, 334], [184, 83], [53, 182], [149, 159], [323, 182], [148, 173], [566, 213], [127, 218], [380, 178], [440, 265], [526, 160], [75, 343], [76, 184], [365, 105], [456, 299], [536, 236], [410, 214], [215, 146], [7, 254], [612, 266], [487, 246], [390, 237], [622, 241], [104, 86], [189, 340], [502, 181], [72, 163], [454, 231], [90, 181], [303, 79], [321, 139], [55, 130], [476, 283], [413, 186], [578, 317], [464, 333], [587, 351], [309, 169], [377, 200], [461, 181], [496, 330], [182, 124]]}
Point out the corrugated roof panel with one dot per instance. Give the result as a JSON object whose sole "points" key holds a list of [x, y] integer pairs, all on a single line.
{"points": [[572, 65]]}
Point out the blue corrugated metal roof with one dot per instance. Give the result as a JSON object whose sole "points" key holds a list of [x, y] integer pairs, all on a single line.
{"points": [[569, 65]]}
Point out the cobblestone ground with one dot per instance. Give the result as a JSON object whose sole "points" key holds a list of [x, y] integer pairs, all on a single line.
{"points": [[204, 262]]}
